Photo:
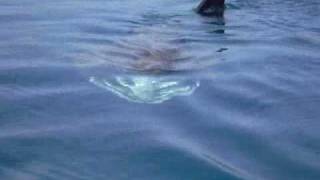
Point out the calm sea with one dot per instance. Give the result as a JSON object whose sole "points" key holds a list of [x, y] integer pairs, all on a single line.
{"points": [[149, 90]]}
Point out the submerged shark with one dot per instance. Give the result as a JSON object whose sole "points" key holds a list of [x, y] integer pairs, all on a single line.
{"points": [[155, 72], [151, 73], [152, 77]]}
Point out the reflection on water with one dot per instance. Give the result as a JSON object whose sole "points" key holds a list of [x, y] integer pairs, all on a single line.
{"points": [[147, 89]]}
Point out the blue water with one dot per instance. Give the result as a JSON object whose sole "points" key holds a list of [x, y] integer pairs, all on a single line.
{"points": [[149, 90]]}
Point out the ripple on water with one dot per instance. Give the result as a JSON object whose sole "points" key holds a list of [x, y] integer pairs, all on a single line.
{"points": [[253, 117]]}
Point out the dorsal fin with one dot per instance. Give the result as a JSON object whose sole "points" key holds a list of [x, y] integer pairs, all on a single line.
{"points": [[211, 7]]}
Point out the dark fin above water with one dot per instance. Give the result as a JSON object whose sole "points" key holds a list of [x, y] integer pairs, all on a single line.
{"points": [[211, 8]]}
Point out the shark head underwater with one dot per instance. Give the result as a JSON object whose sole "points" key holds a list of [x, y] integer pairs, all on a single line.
{"points": [[152, 76]]}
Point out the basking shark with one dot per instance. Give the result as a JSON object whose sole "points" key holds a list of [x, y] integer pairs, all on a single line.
{"points": [[150, 74], [155, 72]]}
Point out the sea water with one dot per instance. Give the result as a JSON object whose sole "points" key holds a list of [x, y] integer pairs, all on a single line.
{"points": [[149, 90]]}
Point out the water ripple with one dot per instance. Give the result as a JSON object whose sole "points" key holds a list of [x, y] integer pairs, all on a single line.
{"points": [[219, 98]]}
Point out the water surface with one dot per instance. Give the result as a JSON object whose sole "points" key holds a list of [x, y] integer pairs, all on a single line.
{"points": [[147, 89]]}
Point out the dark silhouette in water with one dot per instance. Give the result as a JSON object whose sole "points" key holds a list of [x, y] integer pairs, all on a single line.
{"points": [[211, 8]]}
